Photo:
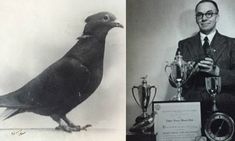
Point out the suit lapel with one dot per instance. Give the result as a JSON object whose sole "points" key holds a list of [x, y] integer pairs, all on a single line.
{"points": [[218, 43], [197, 52], [196, 49]]}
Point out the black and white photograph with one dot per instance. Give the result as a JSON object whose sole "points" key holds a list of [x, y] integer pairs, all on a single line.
{"points": [[127, 70], [180, 52], [62, 70]]}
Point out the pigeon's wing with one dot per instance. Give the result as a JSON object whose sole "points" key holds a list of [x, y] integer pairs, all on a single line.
{"points": [[62, 80]]}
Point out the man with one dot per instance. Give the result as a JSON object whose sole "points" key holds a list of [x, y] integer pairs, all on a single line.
{"points": [[214, 55]]}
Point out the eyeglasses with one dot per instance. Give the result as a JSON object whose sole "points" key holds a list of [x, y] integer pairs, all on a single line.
{"points": [[209, 14]]}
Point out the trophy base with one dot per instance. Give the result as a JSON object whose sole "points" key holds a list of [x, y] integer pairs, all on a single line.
{"points": [[177, 98], [141, 118], [142, 125]]}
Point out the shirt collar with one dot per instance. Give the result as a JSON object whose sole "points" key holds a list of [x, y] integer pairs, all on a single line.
{"points": [[209, 36]]}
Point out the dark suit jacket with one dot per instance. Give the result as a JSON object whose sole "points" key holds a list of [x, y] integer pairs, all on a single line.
{"points": [[224, 56]]}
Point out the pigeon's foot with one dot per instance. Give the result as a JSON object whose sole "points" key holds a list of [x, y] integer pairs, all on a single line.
{"points": [[72, 128], [64, 128], [85, 127], [66, 125]]}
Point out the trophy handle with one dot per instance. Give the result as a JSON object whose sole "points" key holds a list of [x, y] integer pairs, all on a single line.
{"points": [[169, 73], [155, 92], [167, 66], [133, 94]]}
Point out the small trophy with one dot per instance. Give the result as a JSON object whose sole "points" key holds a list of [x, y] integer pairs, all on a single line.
{"points": [[213, 87], [181, 71], [143, 98]]}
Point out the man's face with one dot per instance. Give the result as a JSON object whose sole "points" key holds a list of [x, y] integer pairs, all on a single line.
{"points": [[206, 17]]}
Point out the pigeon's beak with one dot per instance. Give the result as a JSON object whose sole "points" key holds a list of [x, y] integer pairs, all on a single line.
{"points": [[117, 24]]}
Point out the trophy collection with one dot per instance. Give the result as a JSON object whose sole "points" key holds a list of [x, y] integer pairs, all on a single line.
{"points": [[218, 126], [144, 97]]}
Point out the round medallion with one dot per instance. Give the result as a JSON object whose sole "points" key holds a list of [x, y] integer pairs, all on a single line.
{"points": [[219, 127]]}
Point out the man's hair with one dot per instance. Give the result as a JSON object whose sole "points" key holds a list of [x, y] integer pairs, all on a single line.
{"points": [[211, 1]]}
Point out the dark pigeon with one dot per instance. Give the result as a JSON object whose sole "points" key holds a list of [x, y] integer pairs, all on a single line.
{"points": [[67, 82]]}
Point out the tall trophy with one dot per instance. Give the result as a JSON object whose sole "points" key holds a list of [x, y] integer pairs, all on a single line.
{"points": [[180, 72], [144, 96]]}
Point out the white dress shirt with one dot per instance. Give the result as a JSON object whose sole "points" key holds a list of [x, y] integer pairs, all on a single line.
{"points": [[209, 36]]}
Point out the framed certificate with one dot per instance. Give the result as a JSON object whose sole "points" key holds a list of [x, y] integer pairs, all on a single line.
{"points": [[177, 121]]}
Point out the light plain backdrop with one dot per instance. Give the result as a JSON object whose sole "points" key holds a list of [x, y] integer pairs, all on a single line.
{"points": [[33, 35], [154, 28]]}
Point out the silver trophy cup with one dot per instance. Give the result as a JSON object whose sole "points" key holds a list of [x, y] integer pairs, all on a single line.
{"points": [[143, 95], [180, 72]]}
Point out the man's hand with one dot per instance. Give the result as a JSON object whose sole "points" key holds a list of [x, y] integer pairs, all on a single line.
{"points": [[207, 65]]}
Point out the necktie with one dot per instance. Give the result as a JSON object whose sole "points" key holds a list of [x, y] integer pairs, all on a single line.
{"points": [[206, 47]]}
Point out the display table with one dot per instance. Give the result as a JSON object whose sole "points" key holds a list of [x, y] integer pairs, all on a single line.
{"points": [[140, 137]]}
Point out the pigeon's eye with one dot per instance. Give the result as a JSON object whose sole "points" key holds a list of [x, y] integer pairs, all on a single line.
{"points": [[106, 18]]}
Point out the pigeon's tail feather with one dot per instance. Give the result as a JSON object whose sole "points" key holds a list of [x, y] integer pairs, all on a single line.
{"points": [[4, 101], [12, 105], [10, 101], [9, 112]]}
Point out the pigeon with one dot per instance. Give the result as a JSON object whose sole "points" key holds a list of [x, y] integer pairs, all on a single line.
{"points": [[67, 82]]}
